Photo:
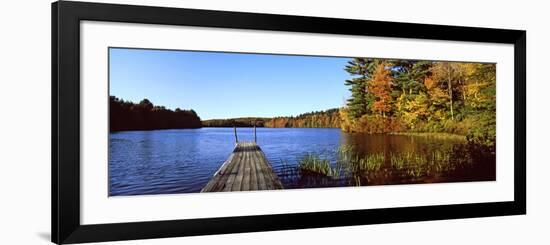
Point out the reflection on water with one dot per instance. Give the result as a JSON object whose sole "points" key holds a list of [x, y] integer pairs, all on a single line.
{"points": [[364, 159], [183, 161]]}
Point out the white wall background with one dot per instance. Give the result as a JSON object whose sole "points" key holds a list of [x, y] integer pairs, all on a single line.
{"points": [[25, 121]]}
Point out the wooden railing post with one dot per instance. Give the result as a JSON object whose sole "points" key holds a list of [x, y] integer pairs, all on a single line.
{"points": [[255, 133], [235, 131]]}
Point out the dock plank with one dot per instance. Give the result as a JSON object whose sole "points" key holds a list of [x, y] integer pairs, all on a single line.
{"points": [[253, 175], [266, 171], [226, 166], [274, 179], [260, 174], [231, 175], [237, 183], [246, 169], [246, 175]]}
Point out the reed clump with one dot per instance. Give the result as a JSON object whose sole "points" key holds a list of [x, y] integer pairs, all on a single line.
{"points": [[368, 163], [350, 165], [312, 163], [417, 165]]}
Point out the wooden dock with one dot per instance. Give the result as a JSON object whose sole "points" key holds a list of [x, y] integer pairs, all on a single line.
{"points": [[246, 169]]}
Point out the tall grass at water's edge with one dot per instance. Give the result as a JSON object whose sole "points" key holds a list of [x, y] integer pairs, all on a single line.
{"points": [[312, 163], [416, 165], [443, 136], [348, 164], [369, 163]]}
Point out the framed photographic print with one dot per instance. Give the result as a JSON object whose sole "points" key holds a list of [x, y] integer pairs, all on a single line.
{"points": [[176, 122]]}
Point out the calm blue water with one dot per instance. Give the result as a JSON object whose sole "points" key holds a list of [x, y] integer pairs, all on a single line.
{"points": [[184, 160]]}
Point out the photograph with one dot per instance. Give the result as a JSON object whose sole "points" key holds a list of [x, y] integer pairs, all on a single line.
{"points": [[192, 121]]}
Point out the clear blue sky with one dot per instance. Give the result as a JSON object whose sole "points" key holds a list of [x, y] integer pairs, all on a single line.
{"points": [[228, 85]]}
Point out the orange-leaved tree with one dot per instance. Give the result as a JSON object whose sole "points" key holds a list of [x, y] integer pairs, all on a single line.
{"points": [[380, 87]]}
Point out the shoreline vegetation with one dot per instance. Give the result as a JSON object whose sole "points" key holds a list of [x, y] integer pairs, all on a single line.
{"points": [[411, 165], [126, 115], [316, 119], [407, 97], [448, 136]]}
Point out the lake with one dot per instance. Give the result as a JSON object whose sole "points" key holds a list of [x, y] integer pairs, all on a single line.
{"points": [[184, 160]]}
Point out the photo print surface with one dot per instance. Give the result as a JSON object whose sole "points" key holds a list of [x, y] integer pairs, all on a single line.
{"points": [[202, 121]]}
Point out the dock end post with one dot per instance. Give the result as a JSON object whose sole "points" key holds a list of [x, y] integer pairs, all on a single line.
{"points": [[235, 131]]}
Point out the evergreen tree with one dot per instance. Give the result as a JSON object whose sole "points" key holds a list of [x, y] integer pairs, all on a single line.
{"points": [[409, 75], [360, 101], [421, 96]]}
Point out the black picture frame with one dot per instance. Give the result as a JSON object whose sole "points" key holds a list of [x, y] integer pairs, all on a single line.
{"points": [[65, 162]]}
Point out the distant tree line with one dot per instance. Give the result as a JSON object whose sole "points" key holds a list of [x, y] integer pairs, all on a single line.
{"points": [[126, 115], [235, 122], [317, 119]]}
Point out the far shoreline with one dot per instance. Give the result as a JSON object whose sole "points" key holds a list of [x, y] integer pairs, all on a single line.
{"points": [[440, 135]]}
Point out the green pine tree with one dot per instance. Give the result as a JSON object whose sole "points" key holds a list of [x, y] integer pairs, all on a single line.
{"points": [[361, 100]]}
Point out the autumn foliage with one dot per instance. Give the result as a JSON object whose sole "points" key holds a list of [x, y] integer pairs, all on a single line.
{"points": [[421, 96], [380, 87], [386, 96], [317, 119]]}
